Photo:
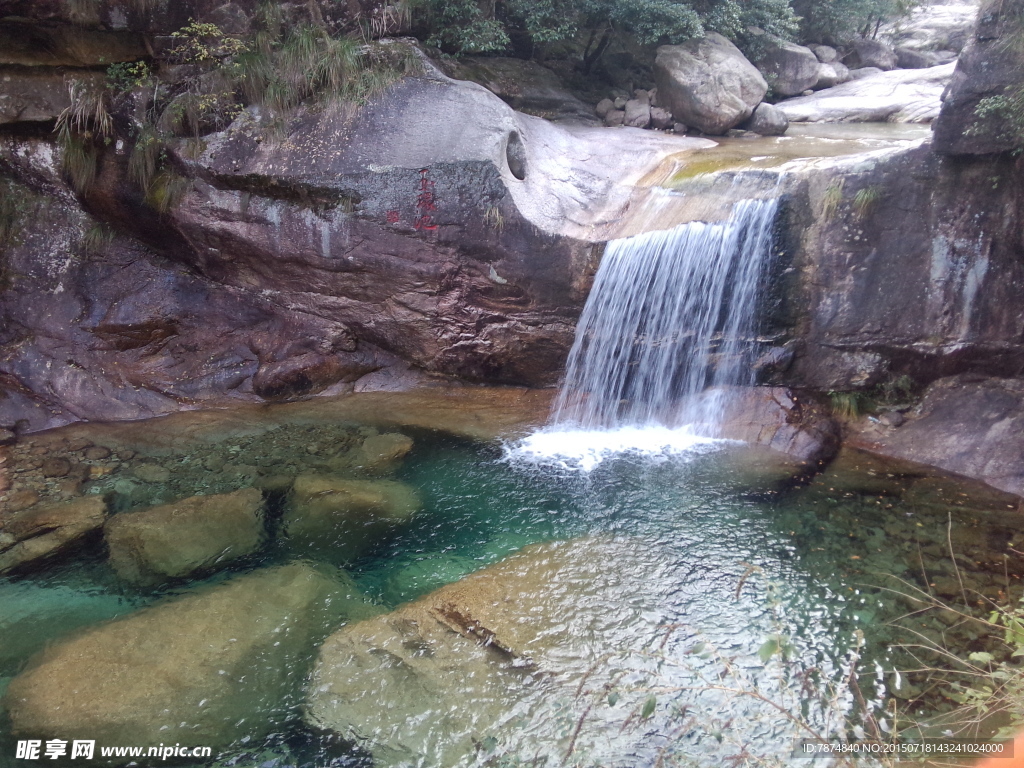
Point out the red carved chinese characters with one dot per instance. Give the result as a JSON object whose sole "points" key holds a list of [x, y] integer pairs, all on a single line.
{"points": [[425, 202]]}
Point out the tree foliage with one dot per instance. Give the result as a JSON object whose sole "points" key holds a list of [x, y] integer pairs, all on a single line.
{"points": [[836, 21], [484, 26]]}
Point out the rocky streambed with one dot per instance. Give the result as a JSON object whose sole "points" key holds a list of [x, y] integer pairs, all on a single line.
{"points": [[327, 582]]}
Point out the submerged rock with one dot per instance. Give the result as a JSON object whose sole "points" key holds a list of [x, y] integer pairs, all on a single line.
{"points": [[206, 668], [340, 518], [432, 681], [382, 453], [174, 540], [41, 532], [708, 83]]}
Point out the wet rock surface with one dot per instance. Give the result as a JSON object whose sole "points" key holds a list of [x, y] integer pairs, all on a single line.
{"points": [[194, 535], [775, 418], [923, 287], [209, 667]]}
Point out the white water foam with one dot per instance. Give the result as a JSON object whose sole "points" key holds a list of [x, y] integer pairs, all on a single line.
{"points": [[585, 449]]}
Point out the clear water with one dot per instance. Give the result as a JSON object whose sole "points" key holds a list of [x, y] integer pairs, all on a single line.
{"points": [[670, 314], [681, 573]]}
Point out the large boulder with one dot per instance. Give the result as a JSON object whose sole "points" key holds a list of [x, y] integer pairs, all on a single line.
{"points": [[708, 83], [199, 534], [989, 67], [767, 120], [903, 96], [870, 53], [826, 53], [832, 74], [41, 532], [206, 668], [907, 58], [789, 68], [340, 518], [638, 113]]}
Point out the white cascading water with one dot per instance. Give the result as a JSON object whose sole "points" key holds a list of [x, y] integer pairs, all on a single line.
{"points": [[671, 314]]}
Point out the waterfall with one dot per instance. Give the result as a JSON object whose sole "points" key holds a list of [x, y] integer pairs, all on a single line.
{"points": [[671, 313]]}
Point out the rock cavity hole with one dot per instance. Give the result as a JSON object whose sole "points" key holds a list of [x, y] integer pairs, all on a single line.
{"points": [[515, 154]]}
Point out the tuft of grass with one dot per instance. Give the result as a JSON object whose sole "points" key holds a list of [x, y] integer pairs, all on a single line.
{"points": [[493, 218], [87, 113], [80, 162], [97, 238], [832, 198], [848, 405], [896, 390], [167, 190], [866, 199]]}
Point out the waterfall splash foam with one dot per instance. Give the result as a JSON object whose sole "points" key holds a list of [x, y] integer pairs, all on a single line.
{"points": [[669, 325]]}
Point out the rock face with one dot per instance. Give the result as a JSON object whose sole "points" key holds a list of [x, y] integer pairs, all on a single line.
{"points": [[989, 66], [767, 120], [967, 424], [121, 332], [790, 69], [902, 96], [41, 532], [341, 519], [185, 537], [708, 83], [923, 288], [207, 668], [37, 94], [301, 264]]}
